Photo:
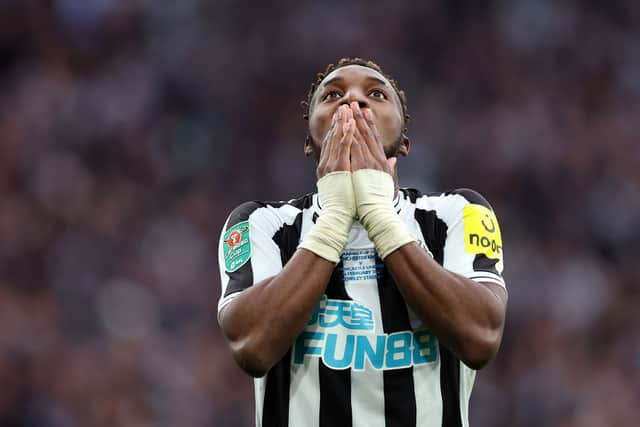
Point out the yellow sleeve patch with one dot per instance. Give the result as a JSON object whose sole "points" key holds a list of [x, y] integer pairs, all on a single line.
{"points": [[481, 231]]}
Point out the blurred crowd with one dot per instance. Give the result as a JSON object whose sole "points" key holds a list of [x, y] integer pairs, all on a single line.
{"points": [[130, 129]]}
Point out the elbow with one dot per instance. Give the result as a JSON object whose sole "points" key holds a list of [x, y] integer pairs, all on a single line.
{"points": [[250, 357], [247, 346], [481, 348], [253, 368], [477, 361]]}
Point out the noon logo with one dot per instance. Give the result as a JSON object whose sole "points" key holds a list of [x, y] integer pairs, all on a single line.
{"points": [[481, 231], [236, 246]]}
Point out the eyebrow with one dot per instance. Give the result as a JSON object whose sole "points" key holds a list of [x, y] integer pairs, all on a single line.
{"points": [[341, 79]]}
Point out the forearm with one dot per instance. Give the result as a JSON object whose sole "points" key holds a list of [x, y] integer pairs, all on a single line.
{"points": [[466, 316], [265, 319]]}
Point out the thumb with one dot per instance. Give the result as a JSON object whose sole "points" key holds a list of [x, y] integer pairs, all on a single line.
{"points": [[392, 162]]}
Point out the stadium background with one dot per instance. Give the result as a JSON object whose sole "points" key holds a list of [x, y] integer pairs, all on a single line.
{"points": [[130, 129]]}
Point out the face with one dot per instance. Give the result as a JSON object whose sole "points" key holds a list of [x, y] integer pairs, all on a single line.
{"points": [[371, 90]]}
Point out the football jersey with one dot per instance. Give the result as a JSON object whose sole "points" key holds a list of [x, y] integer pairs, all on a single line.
{"points": [[364, 357]]}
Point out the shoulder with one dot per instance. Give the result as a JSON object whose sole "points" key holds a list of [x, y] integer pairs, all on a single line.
{"points": [[449, 206], [275, 209], [243, 211], [471, 196], [459, 196]]}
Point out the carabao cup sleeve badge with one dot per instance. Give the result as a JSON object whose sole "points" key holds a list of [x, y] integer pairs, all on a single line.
{"points": [[236, 246], [481, 231]]}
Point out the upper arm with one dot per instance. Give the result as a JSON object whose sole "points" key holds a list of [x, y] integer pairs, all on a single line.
{"points": [[247, 253], [473, 246]]}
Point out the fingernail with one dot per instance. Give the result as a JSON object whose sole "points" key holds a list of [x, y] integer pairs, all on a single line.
{"points": [[368, 114]]}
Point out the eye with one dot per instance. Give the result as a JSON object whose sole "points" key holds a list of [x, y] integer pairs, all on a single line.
{"points": [[334, 94], [377, 93]]}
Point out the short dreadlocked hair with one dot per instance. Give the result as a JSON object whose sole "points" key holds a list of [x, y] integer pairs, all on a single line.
{"points": [[343, 62]]}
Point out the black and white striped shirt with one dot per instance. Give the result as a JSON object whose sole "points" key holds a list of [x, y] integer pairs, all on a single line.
{"points": [[364, 358]]}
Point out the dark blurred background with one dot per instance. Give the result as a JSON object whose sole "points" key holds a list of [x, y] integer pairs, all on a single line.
{"points": [[129, 129]]}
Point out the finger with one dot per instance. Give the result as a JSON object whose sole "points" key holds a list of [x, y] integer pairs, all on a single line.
{"points": [[334, 121], [326, 142], [368, 114], [357, 154], [346, 141], [366, 132], [373, 135], [324, 146], [360, 156], [359, 139], [360, 119], [347, 131], [357, 113], [338, 133], [348, 113]]}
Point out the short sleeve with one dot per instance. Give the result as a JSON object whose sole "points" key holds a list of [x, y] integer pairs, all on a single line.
{"points": [[247, 253], [473, 246]]}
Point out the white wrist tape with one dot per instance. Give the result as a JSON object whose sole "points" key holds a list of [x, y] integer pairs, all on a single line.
{"points": [[328, 236], [374, 191]]}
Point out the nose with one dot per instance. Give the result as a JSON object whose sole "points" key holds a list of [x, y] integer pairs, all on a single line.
{"points": [[355, 96]]}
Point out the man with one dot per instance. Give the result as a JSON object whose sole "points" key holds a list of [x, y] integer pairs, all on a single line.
{"points": [[362, 304]]}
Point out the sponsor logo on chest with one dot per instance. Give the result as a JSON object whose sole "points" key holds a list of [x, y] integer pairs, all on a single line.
{"points": [[341, 333]]}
